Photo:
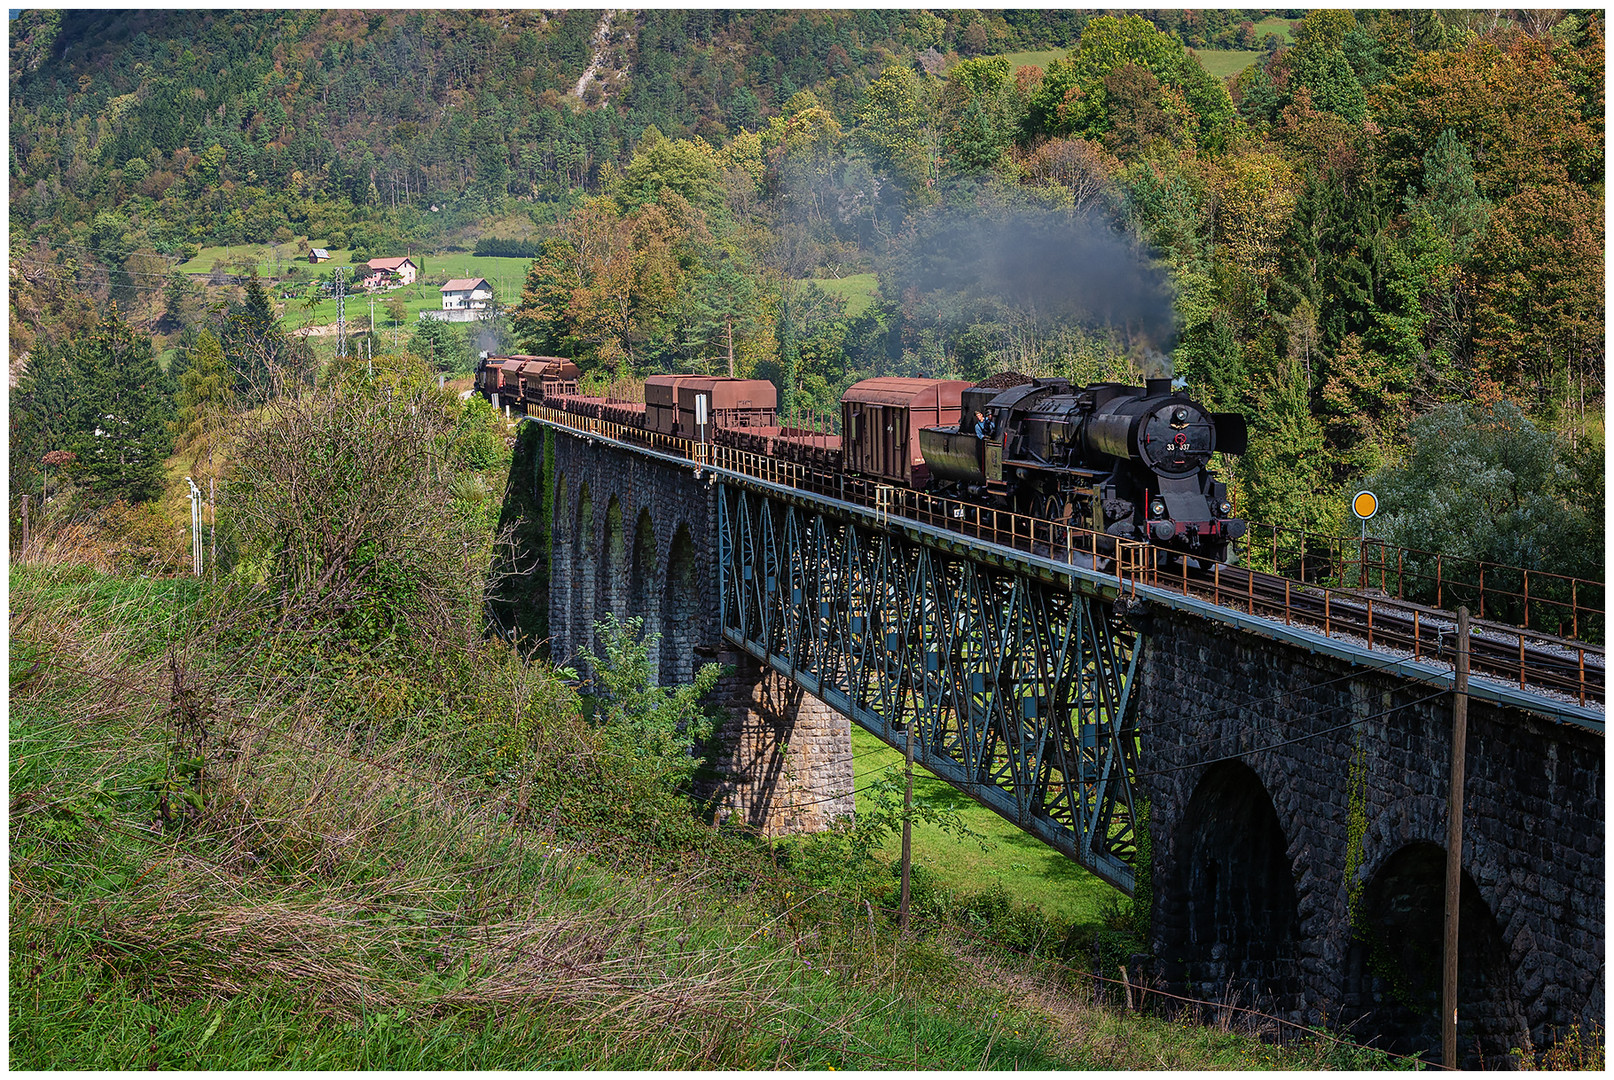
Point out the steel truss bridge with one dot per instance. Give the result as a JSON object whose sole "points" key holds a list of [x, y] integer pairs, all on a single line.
{"points": [[1015, 672], [1016, 690]]}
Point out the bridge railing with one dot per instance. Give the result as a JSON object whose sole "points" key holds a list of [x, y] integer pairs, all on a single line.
{"points": [[1060, 541], [1320, 586], [1531, 599]]}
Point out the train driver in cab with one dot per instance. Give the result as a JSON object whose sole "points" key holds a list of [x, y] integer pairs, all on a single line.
{"points": [[985, 426]]}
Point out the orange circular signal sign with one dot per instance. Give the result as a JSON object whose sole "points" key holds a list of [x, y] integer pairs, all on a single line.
{"points": [[1365, 504]]}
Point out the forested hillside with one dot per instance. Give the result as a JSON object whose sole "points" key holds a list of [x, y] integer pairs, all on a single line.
{"points": [[1382, 216]]}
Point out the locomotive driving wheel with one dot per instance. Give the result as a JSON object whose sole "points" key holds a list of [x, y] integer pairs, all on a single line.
{"points": [[1051, 512]]}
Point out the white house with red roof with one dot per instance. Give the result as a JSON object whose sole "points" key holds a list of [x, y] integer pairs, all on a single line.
{"points": [[390, 272], [466, 294]]}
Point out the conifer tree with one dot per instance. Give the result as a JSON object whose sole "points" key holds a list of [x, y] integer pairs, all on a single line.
{"points": [[42, 411], [258, 352], [204, 398], [121, 420]]}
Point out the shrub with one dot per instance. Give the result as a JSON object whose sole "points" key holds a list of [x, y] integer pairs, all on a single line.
{"points": [[657, 728], [343, 507]]}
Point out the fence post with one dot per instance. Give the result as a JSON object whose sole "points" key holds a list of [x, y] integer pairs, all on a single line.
{"points": [[1454, 846]]}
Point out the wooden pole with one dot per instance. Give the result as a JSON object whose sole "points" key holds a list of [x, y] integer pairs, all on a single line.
{"points": [[25, 524], [1454, 846], [907, 835]]}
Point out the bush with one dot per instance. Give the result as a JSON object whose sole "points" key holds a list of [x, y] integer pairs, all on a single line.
{"points": [[115, 538], [342, 503], [656, 729]]}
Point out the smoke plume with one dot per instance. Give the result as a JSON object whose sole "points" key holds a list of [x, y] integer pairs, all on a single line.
{"points": [[1055, 267]]}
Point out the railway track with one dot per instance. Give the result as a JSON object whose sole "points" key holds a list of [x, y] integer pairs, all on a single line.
{"points": [[1569, 669]]}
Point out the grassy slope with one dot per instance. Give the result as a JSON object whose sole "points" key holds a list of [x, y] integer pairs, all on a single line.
{"points": [[1220, 63], [338, 908], [1028, 868], [1036, 57], [858, 289], [505, 274], [1272, 24]]}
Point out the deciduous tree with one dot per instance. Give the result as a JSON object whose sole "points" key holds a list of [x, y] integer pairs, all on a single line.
{"points": [[1507, 100], [1538, 320]]}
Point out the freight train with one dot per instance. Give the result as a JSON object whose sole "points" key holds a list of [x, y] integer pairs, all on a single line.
{"points": [[1123, 461]]}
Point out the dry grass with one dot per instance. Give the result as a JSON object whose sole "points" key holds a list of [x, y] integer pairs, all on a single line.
{"points": [[353, 880], [364, 901]]}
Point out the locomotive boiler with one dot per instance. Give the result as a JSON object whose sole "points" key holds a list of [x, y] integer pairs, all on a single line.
{"points": [[1129, 461]]}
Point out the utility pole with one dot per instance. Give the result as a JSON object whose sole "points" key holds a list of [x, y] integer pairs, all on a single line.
{"points": [[1454, 846], [907, 834], [196, 527], [341, 316]]}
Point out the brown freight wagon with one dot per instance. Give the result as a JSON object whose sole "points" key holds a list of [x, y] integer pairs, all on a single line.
{"points": [[730, 403], [816, 449], [661, 402], [545, 376], [626, 413], [880, 424], [490, 378]]}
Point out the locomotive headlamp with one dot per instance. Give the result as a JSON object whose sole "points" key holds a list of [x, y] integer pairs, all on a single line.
{"points": [[1225, 509], [1179, 415], [1157, 508]]}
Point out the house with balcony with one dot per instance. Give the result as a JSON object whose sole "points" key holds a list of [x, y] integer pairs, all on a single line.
{"points": [[467, 294]]}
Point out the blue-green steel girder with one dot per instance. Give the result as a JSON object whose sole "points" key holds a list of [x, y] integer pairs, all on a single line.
{"points": [[1019, 692]]}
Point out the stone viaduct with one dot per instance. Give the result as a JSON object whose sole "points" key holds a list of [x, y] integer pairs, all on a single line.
{"points": [[1297, 797], [631, 535]]}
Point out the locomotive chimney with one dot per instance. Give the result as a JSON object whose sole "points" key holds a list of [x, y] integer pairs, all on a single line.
{"points": [[1157, 387]]}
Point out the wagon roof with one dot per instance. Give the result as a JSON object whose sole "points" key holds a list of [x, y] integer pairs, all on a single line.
{"points": [[906, 392]]}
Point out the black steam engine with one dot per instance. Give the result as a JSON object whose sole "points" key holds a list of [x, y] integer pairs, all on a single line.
{"points": [[1124, 460]]}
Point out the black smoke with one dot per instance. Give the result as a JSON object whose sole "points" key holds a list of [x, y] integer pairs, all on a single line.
{"points": [[1051, 266]]}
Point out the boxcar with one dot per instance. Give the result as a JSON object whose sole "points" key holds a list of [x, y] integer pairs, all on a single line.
{"points": [[730, 403], [880, 424], [661, 402]]}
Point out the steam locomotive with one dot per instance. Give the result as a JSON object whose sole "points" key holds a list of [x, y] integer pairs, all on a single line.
{"points": [[1125, 461]]}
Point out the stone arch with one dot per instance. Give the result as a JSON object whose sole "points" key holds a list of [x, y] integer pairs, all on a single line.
{"points": [[644, 601], [680, 607], [561, 586], [1393, 965], [584, 571], [1239, 928], [613, 582]]}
